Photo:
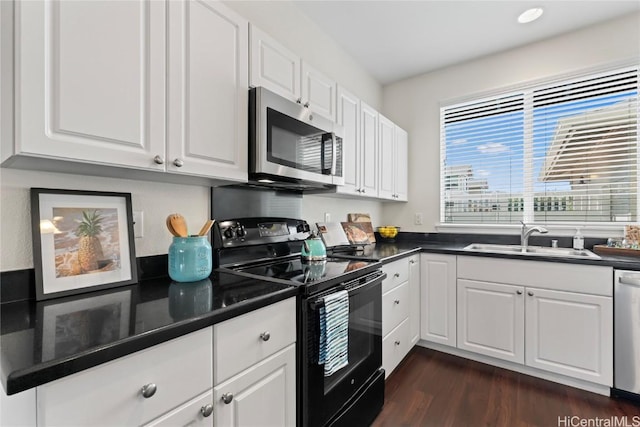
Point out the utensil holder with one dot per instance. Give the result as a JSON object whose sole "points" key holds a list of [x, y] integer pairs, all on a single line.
{"points": [[190, 259]]}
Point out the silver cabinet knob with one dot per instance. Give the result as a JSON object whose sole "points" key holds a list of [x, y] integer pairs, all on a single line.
{"points": [[358, 190], [364, 191], [396, 275], [396, 301], [397, 343], [178, 163], [158, 159], [411, 261], [265, 336], [148, 390], [519, 292], [206, 410], [227, 398], [299, 100], [306, 105], [530, 293]]}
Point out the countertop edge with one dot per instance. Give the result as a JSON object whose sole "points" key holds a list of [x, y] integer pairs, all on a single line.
{"points": [[43, 373]]}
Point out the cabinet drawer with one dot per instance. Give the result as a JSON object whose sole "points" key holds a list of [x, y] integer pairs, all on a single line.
{"points": [[397, 273], [110, 394], [395, 346], [240, 342], [190, 414], [395, 307]]}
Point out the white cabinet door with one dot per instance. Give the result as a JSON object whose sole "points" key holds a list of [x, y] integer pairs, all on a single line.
{"points": [[273, 66], [318, 92], [414, 299], [369, 151], [208, 90], [349, 118], [401, 165], [491, 319], [570, 334], [90, 81], [438, 298], [197, 412], [262, 395], [395, 347], [386, 144]]}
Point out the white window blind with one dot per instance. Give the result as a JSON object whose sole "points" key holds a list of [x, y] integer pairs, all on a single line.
{"points": [[564, 152]]}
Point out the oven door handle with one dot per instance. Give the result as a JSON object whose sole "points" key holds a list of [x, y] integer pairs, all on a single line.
{"points": [[361, 288]]}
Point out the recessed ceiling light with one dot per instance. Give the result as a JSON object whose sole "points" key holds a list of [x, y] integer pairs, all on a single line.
{"points": [[530, 15]]}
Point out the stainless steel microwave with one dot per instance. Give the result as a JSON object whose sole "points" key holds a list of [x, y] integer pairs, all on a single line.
{"points": [[290, 146]]}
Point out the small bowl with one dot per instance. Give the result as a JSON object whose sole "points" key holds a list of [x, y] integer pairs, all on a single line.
{"points": [[388, 232]]}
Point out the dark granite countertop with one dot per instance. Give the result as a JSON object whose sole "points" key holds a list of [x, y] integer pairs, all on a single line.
{"points": [[47, 340]]}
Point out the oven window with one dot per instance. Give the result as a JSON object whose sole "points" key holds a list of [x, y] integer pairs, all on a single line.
{"points": [[296, 144], [363, 329]]}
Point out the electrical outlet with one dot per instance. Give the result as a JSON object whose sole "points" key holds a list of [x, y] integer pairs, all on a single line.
{"points": [[138, 224], [327, 217], [418, 218]]}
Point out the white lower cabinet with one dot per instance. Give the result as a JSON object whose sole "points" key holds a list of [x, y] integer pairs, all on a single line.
{"points": [[491, 319], [134, 389], [263, 395], [197, 412], [532, 313], [255, 367], [570, 334], [400, 310], [438, 298]]}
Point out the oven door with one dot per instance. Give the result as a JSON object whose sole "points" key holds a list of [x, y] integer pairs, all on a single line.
{"points": [[325, 397]]}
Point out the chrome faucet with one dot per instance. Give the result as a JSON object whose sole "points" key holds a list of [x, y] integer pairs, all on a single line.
{"points": [[525, 232]]}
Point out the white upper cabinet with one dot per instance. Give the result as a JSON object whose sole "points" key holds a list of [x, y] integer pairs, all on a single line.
{"points": [[273, 66], [90, 81], [369, 151], [278, 69], [318, 92], [208, 90], [393, 149], [349, 118], [148, 85]]}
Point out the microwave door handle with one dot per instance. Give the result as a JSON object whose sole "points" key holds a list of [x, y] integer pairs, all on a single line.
{"points": [[334, 152]]}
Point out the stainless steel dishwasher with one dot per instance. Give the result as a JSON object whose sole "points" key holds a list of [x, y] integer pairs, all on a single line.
{"points": [[627, 333]]}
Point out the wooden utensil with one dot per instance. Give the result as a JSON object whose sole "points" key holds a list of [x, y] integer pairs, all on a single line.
{"points": [[179, 225], [206, 227], [170, 227]]}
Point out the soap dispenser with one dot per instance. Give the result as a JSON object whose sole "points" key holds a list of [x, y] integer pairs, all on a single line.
{"points": [[578, 240]]}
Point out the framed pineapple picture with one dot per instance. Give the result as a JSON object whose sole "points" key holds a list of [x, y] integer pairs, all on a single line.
{"points": [[82, 241]]}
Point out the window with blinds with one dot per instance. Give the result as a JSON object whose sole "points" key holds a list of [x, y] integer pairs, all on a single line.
{"points": [[564, 152]]}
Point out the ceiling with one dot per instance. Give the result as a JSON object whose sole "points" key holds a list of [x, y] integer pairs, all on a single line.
{"points": [[395, 39]]}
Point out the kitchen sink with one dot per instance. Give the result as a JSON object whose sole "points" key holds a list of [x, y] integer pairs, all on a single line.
{"points": [[532, 250]]}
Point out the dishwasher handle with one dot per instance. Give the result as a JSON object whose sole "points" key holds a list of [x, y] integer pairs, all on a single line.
{"points": [[627, 280]]}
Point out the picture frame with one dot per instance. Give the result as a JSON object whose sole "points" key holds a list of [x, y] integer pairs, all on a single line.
{"points": [[67, 326], [82, 241]]}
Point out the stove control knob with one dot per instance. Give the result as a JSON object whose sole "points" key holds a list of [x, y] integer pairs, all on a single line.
{"points": [[228, 233], [240, 231]]}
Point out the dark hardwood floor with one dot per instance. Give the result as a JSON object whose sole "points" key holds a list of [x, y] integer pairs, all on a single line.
{"points": [[431, 388]]}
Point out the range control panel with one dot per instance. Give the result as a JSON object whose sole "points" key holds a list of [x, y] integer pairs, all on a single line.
{"points": [[256, 231]]}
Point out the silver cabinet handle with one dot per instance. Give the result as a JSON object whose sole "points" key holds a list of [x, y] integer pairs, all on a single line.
{"points": [[364, 191], [519, 292], [299, 100], [265, 336], [397, 343], [358, 190], [396, 275], [306, 104], [411, 261], [530, 293], [158, 159], [178, 163], [626, 280], [227, 398], [148, 390], [396, 301], [206, 410]]}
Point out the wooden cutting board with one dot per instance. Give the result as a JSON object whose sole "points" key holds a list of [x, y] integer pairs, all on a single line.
{"points": [[359, 233]]}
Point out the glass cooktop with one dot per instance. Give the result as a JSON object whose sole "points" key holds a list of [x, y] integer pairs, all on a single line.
{"points": [[301, 272]]}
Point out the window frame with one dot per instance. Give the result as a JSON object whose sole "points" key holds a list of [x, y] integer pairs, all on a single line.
{"points": [[595, 228]]}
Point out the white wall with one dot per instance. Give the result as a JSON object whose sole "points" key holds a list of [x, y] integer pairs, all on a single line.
{"points": [[414, 103], [285, 23]]}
